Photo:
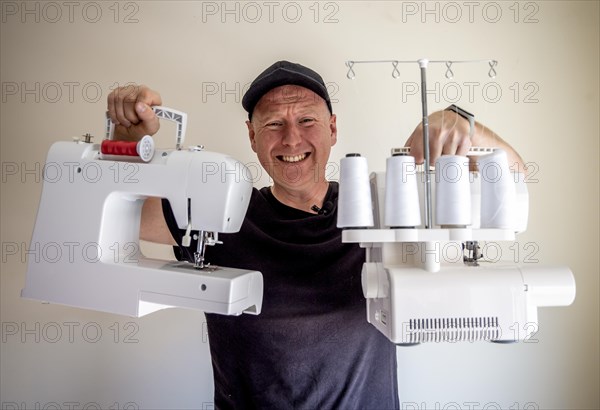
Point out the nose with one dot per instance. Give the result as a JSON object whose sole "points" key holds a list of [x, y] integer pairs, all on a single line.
{"points": [[292, 136]]}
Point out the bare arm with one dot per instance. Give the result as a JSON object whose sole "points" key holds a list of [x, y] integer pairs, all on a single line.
{"points": [[153, 227], [449, 134], [129, 109]]}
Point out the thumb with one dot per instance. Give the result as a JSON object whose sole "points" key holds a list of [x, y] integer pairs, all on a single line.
{"points": [[149, 120], [144, 111]]}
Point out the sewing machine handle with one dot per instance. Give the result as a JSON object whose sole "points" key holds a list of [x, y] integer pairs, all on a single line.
{"points": [[180, 118]]}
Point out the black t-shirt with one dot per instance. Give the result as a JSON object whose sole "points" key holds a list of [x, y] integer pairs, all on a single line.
{"points": [[311, 347]]}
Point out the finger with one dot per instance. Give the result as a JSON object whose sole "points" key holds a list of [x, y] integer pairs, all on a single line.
{"points": [[451, 144], [111, 107], [145, 112], [149, 97], [120, 109], [135, 95], [436, 143], [125, 134], [417, 152], [149, 121], [416, 149], [130, 113], [130, 94], [435, 151], [125, 98], [464, 146]]}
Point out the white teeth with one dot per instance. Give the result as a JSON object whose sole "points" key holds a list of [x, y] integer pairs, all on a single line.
{"points": [[294, 158]]}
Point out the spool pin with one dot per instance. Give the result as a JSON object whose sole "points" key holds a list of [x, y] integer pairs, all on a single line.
{"points": [[143, 149]]}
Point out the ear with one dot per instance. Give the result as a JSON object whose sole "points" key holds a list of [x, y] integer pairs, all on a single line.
{"points": [[333, 129], [251, 135]]}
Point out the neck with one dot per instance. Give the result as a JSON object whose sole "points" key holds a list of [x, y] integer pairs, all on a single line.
{"points": [[303, 199]]}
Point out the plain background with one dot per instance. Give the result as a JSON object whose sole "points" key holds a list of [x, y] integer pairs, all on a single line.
{"points": [[59, 61]]}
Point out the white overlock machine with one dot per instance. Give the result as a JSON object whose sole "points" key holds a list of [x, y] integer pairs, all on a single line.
{"points": [[432, 280], [432, 239]]}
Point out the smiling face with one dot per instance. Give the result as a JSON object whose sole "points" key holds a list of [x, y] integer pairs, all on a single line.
{"points": [[292, 133]]}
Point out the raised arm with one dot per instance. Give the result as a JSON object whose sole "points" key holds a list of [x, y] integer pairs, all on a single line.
{"points": [[129, 109], [449, 134]]}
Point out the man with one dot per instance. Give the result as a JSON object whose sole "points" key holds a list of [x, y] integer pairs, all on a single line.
{"points": [[311, 347]]}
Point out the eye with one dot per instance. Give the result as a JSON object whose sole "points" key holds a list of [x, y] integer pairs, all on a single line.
{"points": [[307, 121], [274, 124]]}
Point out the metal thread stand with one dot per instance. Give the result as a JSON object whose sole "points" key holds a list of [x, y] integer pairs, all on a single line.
{"points": [[423, 62]]}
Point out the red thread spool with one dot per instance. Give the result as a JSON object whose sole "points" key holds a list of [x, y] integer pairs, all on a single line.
{"points": [[143, 149]]}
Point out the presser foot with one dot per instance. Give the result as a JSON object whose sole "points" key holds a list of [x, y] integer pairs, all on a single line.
{"points": [[199, 262], [204, 238], [473, 253]]}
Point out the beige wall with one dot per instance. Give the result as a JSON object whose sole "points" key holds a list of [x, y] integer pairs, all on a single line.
{"points": [[57, 71]]}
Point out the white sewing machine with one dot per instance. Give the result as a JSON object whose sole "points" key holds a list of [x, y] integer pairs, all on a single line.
{"points": [[429, 282], [88, 224]]}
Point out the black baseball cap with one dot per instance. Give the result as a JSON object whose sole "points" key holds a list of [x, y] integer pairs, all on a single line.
{"points": [[284, 73]]}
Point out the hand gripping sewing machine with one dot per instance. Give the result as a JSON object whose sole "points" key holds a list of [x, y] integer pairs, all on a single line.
{"points": [[88, 224], [429, 282]]}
